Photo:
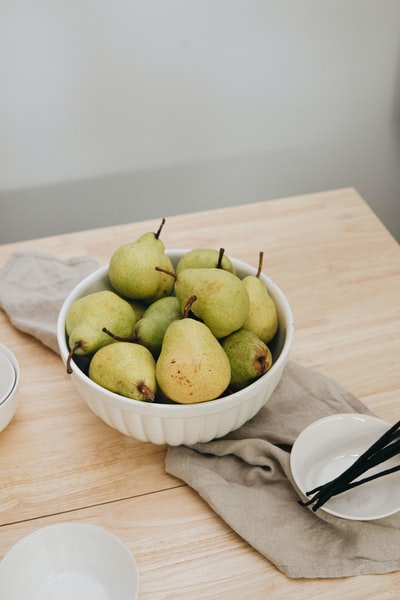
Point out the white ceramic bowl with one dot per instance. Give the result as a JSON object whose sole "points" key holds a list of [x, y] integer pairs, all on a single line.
{"points": [[69, 560], [327, 447], [9, 386], [180, 424]]}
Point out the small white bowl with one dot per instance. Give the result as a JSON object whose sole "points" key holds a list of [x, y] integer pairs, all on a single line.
{"points": [[327, 447], [171, 423], [9, 386], [69, 560]]}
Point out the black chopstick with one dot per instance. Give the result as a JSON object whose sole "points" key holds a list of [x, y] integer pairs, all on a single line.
{"points": [[354, 484], [371, 461]]}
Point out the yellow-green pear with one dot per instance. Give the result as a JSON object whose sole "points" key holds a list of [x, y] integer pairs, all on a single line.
{"points": [[192, 366], [222, 299], [249, 357], [262, 319], [125, 368], [87, 316], [150, 329], [199, 258], [132, 269]]}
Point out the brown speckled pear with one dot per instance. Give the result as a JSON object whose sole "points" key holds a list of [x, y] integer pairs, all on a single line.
{"points": [[192, 366]]}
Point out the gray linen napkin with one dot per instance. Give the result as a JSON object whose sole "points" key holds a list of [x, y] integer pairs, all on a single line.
{"points": [[245, 477], [33, 287]]}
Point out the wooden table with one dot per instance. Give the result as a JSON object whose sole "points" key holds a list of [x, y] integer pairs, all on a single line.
{"points": [[340, 269]]}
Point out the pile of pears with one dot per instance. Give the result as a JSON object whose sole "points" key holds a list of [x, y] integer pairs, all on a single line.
{"points": [[182, 334]]}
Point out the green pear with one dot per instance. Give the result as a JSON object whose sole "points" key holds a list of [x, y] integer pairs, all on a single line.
{"points": [[192, 366], [150, 329], [222, 299], [262, 318], [138, 307], [87, 316], [249, 358], [200, 258], [126, 369], [132, 269]]}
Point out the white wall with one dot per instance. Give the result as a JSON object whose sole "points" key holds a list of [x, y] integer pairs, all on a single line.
{"points": [[154, 107]]}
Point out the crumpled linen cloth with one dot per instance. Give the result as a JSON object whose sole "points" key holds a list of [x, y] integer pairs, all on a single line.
{"points": [[33, 287], [245, 477]]}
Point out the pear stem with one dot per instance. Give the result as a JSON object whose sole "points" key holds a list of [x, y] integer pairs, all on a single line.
{"points": [[118, 337], [260, 263], [166, 271], [70, 354], [220, 257], [157, 234], [188, 306]]}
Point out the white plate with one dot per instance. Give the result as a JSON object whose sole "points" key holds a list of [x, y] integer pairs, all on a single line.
{"points": [[69, 561], [328, 447], [7, 377]]}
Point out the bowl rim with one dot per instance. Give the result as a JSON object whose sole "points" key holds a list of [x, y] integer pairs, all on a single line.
{"points": [[10, 356], [177, 410]]}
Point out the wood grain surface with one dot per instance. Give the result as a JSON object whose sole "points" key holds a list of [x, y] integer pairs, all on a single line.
{"points": [[340, 269]]}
